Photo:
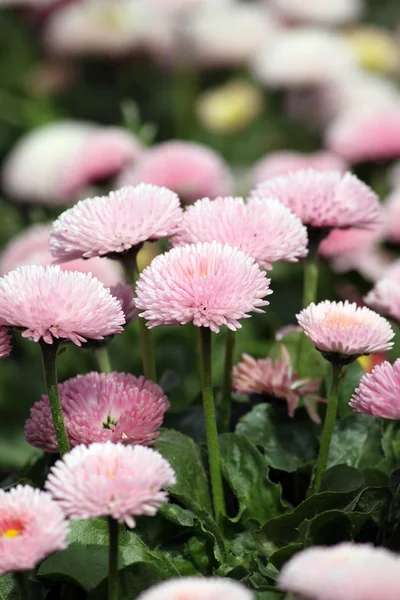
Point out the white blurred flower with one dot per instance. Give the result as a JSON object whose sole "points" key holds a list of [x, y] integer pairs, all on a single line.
{"points": [[53, 163], [303, 57], [229, 32], [330, 12]]}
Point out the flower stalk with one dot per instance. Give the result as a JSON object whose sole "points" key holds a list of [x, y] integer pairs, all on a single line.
{"points": [[20, 579], [214, 456], [112, 559], [49, 357], [103, 359], [226, 400]]}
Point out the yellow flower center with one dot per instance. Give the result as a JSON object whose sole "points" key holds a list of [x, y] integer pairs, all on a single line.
{"points": [[341, 321], [11, 533]]}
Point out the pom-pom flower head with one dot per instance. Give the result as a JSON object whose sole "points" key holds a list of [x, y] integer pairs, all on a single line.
{"points": [[385, 297], [277, 379], [377, 393], [264, 228], [193, 171], [110, 480], [346, 571], [324, 201], [98, 407], [196, 588], [344, 331], [32, 526], [48, 303], [209, 284], [115, 224]]}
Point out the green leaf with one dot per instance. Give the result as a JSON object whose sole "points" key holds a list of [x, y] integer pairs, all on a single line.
{"points": [[8, 588], [349, 381], [341, 478], [356, 441], [288, 444], [327, 528], [184, 456], [85, 561], [391, 444], [282, 555], [245, 469]]}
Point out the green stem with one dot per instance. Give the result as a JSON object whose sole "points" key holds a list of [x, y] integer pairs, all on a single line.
{"points": [[112, 559], [226, 401], [103, 359], [329, 425], [49, 356], [20, 579], [146, 339], [310, 279], [214, 457]]}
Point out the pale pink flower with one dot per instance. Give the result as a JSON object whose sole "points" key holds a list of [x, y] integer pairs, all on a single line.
{"points": [[98, 407], [209, 284], [286, 161], [193, 171], [32, 526], [325, 200], [276, 378], [5, 343], [320, 11], [48, 303], [31, 247], [51, 164], [391, 214], [346, 571], [385, 297], [124, 293], [263, 228], [370, 262], [114, 224], [369, 135], [345, 329], [198, 588], [377, 393], [110, 480]]}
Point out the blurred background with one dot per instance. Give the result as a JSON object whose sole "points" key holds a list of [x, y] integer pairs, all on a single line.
{"points": [[91, 92]]}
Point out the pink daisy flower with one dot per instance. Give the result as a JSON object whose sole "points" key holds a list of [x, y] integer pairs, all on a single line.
{"points": [[110, 480], [348, 241], [377, 392], [364, 136], [196, 588], [284, 162], [325, 200], [5, 343], [264, 228], [32, 526], [341, 330], [52, 163], [385, 297], [116, 223], [209, 284], [276, 378], [98, 407], [31, 247], [193, 171], [391, 213], [346, 571], [48, 303], [124, 293]]}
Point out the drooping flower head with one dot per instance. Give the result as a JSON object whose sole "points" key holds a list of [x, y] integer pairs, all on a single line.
{"points": [[342, 331], [51, 164], [209, 284], [193, 171], [5, 343], [48, 303], [324, 201], [377, 393], [31, 247], [32, 526], [385, 297], [346, 571], [196, 588], [98, 407], [320, 11], [276, 378], [284, 162], [115, 224], [366, 135], [110, 480], [263, 228]]}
